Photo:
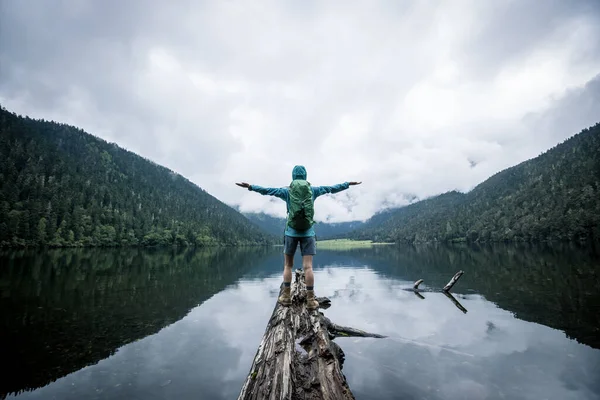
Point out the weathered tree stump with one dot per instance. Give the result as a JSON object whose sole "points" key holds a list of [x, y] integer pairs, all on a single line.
{"points": [[297, 358]]}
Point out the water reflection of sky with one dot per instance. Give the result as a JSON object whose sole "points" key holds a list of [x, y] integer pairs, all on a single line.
{"points": [[434, 351]]}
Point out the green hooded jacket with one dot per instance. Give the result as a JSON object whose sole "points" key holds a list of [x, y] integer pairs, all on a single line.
{"points": [[299, 172]]}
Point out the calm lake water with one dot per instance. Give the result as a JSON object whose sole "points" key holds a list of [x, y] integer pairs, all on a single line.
{"points": [[184, 324]]}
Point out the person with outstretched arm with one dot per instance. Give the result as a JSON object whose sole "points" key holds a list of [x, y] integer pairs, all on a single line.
{"points": [[299, 230]]}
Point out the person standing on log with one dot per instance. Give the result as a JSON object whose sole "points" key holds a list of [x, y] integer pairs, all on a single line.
{"points": [[299, 198]]}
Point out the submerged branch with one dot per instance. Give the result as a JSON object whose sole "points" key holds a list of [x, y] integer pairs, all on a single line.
{"points": [[453, 281], [338, 330], [445, 290]]}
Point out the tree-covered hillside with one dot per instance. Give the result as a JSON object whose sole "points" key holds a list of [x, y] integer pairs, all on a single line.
{"points": [[555, 196], [60, 186], [324, 230]]}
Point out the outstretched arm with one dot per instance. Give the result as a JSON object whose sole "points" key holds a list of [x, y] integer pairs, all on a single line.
{"points": [[277, 192], [320, 190]]}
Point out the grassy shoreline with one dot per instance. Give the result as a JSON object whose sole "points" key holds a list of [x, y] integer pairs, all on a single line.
{"points": [[337, 244]]}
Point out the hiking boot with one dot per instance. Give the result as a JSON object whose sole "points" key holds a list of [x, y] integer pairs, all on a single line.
{"points": [[311, 302], [285, 299]]}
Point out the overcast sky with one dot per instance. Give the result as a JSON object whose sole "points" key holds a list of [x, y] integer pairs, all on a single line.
{"points": [[414, 98]]}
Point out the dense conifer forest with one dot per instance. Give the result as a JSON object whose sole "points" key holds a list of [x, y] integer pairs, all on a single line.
{"points": [[553, 197], [60, 186]]}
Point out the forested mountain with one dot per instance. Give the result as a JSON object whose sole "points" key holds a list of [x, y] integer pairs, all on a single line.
{"points": [[60, 186], [555, 196], [276, 226]]}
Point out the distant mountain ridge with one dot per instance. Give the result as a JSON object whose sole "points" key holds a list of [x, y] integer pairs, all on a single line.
{"points": [[324, 230], [60, 186], [553, 197]]}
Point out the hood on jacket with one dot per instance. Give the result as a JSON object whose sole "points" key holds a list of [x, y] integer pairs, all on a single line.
{"points": [[299, 172]]}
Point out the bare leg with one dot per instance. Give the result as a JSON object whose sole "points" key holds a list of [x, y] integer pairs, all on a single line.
{"points": [[287, 268], [307, 264]]}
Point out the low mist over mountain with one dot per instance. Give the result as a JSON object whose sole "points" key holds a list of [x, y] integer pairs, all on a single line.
{"points": [[555, 196], [324, 230]]}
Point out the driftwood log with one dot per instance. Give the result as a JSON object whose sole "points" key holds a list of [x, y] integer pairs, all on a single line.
{"points": [[445, 290], [297, 358]]}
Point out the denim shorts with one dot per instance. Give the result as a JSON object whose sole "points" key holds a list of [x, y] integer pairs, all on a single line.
{"points": [[308, 245]]}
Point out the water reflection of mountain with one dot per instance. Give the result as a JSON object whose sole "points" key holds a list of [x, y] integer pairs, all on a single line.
{"points": [[62, 310], [555, 285]]}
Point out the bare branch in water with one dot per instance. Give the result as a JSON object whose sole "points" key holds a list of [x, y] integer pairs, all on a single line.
{"points": [[417, 283], [453, 281]]}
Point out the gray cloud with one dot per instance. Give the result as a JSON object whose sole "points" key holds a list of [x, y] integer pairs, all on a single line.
{"points": [[566, 115], [515, 29], [413, 98]]}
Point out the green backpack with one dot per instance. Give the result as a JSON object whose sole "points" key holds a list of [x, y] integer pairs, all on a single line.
{"points": [[301, 209]]}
